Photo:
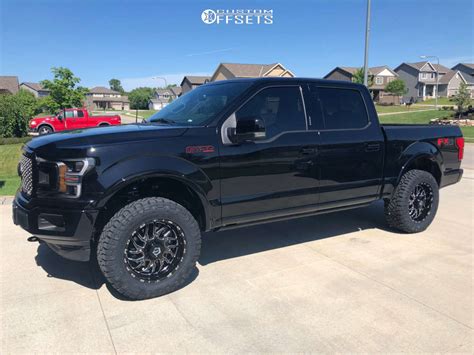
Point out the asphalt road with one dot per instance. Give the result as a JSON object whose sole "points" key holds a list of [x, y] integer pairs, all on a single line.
{"points": [[331, 283]]}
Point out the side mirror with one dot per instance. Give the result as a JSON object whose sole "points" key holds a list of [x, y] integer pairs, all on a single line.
{"points": [[60, 117], [247, 129]]}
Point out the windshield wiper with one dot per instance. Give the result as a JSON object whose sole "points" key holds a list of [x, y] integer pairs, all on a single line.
{"points": [[163, 120]]}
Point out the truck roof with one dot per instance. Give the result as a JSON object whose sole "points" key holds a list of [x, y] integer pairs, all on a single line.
{"points": [[296, 80]]}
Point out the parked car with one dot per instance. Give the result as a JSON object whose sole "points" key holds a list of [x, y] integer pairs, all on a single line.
{"points": [[70, 118], [225, 155]]}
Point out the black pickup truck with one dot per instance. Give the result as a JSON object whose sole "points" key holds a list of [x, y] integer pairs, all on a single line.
{"points": [[227, 154]]}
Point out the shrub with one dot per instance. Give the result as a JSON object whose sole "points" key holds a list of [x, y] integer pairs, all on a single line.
{"points": [[15, 112]]}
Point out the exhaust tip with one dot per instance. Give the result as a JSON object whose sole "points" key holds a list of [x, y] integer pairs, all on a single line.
{"points": [[33, 239]]}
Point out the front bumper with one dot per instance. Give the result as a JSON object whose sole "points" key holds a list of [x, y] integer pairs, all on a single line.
{"points": [[68, 232]]}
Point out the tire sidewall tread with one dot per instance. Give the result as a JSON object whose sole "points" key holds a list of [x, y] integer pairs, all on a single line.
{"points": [[116, 233], [396, 210]]}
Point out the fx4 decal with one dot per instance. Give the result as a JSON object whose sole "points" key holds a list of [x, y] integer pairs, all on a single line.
{"points": [[193, 149]]}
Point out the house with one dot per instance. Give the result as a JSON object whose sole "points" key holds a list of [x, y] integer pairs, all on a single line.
{"points": [[176, 90], [102, 98], [9, 84], [227, 71], [190, 82], [35, 88], [161, 98], [380, 77], [420, 80], [467, 71]]}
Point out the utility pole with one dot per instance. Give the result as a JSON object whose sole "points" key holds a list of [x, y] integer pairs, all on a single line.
{"points": [[367, 35]]}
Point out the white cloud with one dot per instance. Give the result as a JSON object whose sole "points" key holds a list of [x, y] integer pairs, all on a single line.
{"points": [[153, 81]]}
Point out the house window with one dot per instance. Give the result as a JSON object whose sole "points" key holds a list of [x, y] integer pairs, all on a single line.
{"points": [[379, 80]]}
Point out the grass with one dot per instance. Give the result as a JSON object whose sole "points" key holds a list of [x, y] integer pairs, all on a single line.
{"points": [[424, 118], [141, 113], [387, 109], [9, 157], [414, 117], [442, 101]]}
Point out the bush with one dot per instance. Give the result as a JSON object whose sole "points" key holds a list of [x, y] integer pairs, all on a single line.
{"points": [[15, 112]]}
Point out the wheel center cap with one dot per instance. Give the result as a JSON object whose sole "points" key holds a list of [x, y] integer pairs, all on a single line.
{"points": [[156, 251]]}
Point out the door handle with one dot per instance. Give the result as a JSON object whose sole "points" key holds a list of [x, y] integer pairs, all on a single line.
{"points": [[308, 150], [372, 147]]}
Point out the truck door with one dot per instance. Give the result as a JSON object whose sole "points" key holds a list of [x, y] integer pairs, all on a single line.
{"points": [[75, 119], [351, 148], [262, 178]]}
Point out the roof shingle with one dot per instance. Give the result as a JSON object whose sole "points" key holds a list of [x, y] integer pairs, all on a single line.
{"points": [[9, 84]]}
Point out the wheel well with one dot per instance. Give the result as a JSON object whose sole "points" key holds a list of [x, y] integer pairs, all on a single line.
{"points": [[169, 188], [103, 124], [46, 124], [426, 164]]}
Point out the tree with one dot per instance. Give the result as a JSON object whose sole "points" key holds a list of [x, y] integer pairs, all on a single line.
{"points": [[462, 98], [116, 85], [139, 97], [64, 91], [396, 87], [358, 77], [15, 112]]}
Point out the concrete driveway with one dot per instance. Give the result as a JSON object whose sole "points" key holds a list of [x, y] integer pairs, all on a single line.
{"points": [[331, 283]]}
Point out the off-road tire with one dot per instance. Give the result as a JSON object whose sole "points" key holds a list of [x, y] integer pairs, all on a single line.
{"points": [[397, 209], [116, 234]]}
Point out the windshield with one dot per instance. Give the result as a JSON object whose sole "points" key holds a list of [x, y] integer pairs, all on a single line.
{"points": [[199, 105]]}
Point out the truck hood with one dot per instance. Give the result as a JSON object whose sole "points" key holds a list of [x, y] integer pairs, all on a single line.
{"points": [[37, 120], [91, 137]]}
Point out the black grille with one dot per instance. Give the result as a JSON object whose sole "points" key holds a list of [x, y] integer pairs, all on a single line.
{"points": [[26, 170]]}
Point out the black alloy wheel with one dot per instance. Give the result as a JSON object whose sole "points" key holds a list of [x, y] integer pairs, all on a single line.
{"points": [[155, 250]]}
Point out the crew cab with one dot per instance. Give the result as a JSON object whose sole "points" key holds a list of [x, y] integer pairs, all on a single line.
{"points": [[70, 118], [227, 154]]}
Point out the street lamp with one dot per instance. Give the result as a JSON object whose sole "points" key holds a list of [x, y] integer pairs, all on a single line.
{"points": [[437, 76], [162, 78], [366, 54]]}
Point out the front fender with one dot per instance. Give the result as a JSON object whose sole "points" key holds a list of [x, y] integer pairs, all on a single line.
{"points": [[131, 169]]}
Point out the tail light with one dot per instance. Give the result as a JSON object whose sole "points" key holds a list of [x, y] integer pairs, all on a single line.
{"points": [[460, 146]]}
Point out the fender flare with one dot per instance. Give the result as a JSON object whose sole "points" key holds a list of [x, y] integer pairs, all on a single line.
{"points": [[125, 173], [419, 150]]}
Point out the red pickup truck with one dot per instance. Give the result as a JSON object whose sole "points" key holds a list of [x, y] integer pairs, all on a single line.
{"points": [[70, 118]]}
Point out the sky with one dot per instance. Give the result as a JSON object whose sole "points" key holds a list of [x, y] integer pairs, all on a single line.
{"points": [[137, 40]]}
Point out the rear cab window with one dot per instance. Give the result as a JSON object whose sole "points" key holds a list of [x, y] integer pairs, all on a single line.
{"points": [[335, 108]]}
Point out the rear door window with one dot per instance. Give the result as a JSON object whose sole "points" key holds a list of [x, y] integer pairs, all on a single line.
{"points": [[342, 108]]}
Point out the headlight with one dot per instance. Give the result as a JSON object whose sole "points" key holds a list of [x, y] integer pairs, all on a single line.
{"points": [[70, 174], [33, 123]]}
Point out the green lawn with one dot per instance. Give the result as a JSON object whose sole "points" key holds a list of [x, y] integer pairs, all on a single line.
{"points": [[142, 113], [387, 109], [442, 101], [424, 118], [9, 158]]}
